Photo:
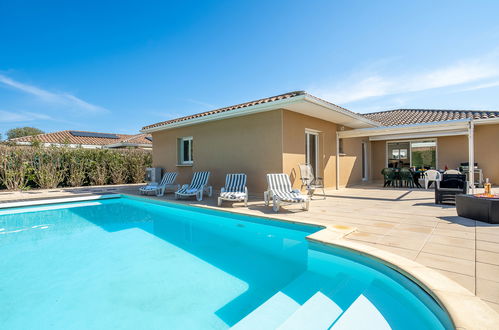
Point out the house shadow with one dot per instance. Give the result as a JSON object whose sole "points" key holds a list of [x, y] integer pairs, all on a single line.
{"points": [[266, 259]]}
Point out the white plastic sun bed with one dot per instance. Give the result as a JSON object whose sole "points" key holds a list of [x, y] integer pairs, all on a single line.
{"points": [[167, 182], [198, 186], [235, 189], [281, 191]]}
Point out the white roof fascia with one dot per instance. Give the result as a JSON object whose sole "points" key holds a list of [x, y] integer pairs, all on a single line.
{"points": [[486, 121], [339, 109], [448, 125], [274, 105], [419, 135]]}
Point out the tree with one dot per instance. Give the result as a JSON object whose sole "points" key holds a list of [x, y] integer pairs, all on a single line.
{"points": [[22, 131]]}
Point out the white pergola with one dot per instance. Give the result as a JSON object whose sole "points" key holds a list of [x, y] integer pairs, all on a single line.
{"points": [[424, 130]]}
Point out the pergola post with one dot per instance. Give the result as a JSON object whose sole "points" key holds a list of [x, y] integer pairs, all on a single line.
{"points": [[337, 160], [471, 156]]}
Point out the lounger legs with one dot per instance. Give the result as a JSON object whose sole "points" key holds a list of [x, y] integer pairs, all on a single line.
{"points": [[276, 205], [306, 205]]}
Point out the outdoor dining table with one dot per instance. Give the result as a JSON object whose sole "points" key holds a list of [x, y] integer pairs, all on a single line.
{"points": [[416, 175]]}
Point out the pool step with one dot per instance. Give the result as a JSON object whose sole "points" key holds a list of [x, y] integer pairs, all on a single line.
{"points": [[290, 299], [319, 312], [362, 314], [269, 314]]}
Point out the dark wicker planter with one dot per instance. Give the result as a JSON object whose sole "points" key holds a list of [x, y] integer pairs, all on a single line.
{"points": [[478, 208]]}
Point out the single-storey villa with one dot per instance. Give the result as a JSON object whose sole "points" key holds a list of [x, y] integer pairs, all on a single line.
{"points": [[87, 140], [276, 134]]}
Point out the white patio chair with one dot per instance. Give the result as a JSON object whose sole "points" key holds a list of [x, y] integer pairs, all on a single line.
{"points": [[309, 181], [452, 172], [235, 189], [167, 182], [198, 186], [431, 175], [281, 191]]}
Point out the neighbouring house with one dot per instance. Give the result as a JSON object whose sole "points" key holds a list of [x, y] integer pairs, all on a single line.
{"points": [[89, 140], [276, 134]]}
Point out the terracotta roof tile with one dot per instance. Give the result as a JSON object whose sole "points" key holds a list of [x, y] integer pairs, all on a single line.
{"points": [[417, 116], [244, 105], [230, 108], [67, 138]]}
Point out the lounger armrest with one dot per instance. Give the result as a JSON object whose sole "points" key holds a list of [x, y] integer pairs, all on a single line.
{"points": [[222, 189], [246, 190], [296, 191], [185, 186]]}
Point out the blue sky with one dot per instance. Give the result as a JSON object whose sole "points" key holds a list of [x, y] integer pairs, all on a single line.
{"points": [[117, 66]]}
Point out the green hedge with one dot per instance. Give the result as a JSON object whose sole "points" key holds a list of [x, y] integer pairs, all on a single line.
{"points": [[35, 167]]}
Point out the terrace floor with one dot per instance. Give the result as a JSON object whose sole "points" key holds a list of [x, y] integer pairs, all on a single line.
{"points": [[405, 222]]}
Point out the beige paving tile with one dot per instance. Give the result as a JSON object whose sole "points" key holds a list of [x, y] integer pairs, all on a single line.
{"points": [[449, 251], [409, 243], [487, 271], [452, 241], [409, 254], [487, 246], [449, 264], [493, 305], [487, 237], [454, 233], [456, 226], [363, 236], [487, 257], [465, 280], [414, 228], [488, 290]]}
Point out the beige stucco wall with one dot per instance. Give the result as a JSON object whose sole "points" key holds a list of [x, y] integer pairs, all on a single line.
{"points": [[452, 151], [378, 159], [351, 162], [250, 144], [294, 126], [487, 151]]}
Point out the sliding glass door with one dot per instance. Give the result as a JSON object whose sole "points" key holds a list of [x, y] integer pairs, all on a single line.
{"points": [[420, 154]]}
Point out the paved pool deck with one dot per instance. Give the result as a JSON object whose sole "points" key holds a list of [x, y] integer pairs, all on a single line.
{"points": [[404, 222]]}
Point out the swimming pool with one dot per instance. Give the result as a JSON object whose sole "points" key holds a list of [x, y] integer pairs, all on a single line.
{"points": [[127, 263]]}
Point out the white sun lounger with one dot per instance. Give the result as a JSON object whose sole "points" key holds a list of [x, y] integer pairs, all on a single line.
{"points": [[167, 182], [198, 186], [281, 191], [235, 189]]}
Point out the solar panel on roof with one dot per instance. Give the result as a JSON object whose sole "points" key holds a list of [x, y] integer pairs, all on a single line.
{"points": [[149, 138], [94, 135]]}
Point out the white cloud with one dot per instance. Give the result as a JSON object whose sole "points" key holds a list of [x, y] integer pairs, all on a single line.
{"points": [[480, 86], [365, 85], [201, 103], [23, 116], [65, 99]]}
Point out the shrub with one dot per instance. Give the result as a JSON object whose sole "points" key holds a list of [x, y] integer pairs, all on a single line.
{"points": [[15, 167], [50, 170], [77, 165], [33, 167], [117, 167]]}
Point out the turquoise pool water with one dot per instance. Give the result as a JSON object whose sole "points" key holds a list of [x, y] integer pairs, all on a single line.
{"points": [[126, 263]]}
